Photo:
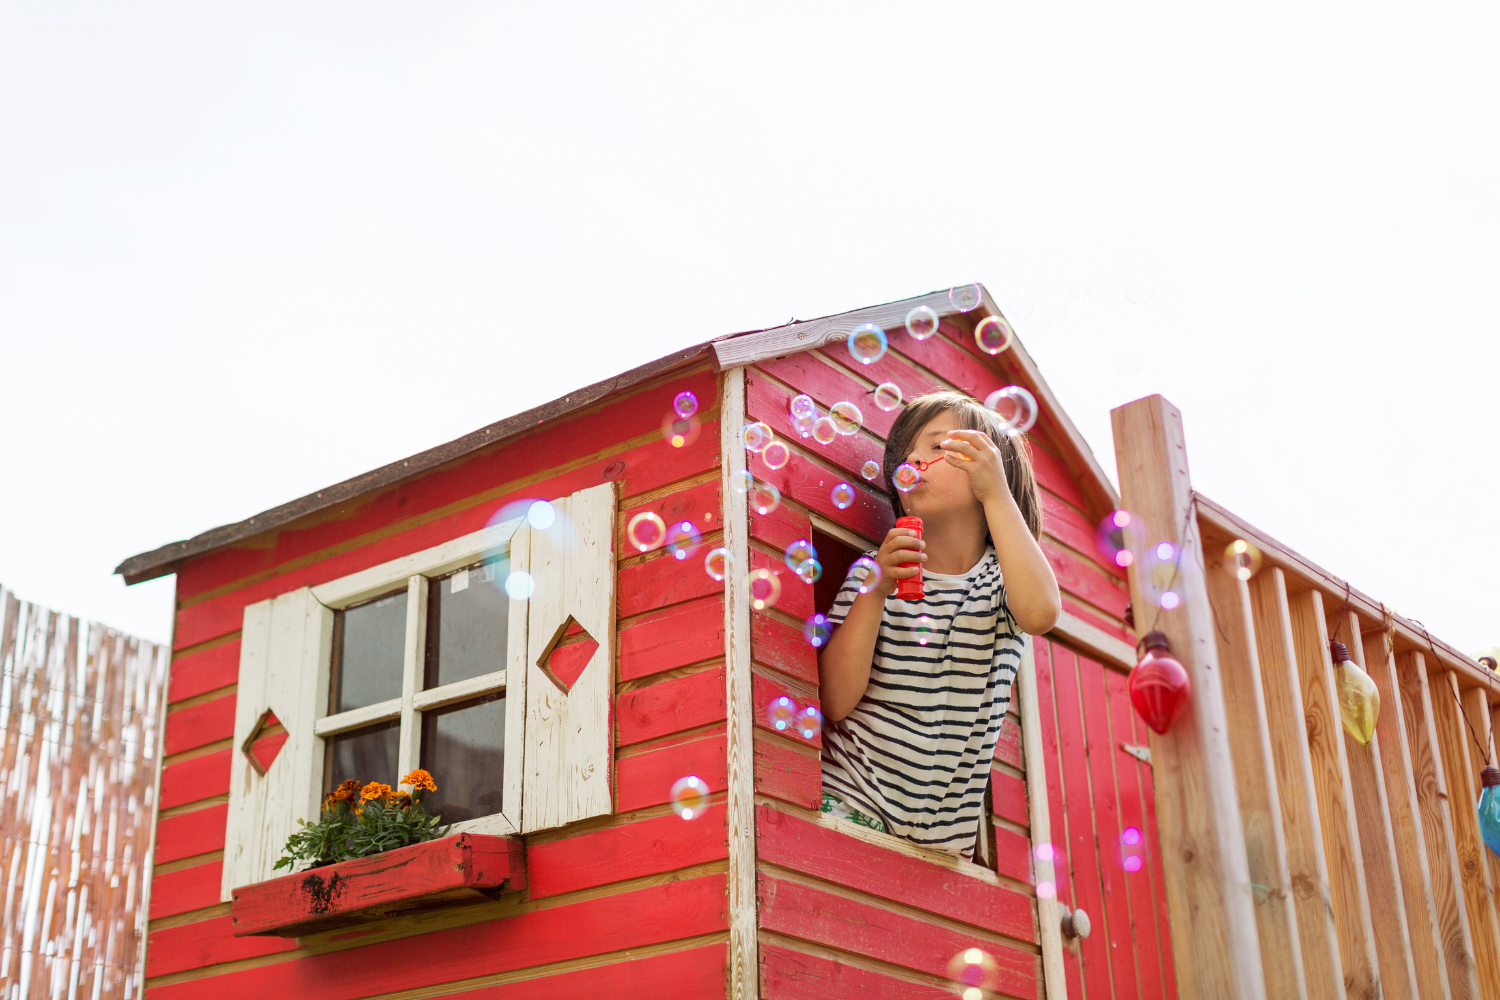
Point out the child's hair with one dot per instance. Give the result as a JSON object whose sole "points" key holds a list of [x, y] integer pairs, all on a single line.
{"points": [[1014, 451]]}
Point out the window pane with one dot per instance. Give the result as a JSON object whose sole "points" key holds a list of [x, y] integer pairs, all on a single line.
{"points": [[365, 755], [369, 647], [468, 614], [463, 748]]}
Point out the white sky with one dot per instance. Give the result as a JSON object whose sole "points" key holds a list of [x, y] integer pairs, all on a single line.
{"points": [[246, 252]]}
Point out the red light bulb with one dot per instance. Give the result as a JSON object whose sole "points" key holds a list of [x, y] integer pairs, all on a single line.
{"points": [[1159, 686]]}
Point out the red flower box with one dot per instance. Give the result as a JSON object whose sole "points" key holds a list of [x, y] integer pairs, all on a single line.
{"points": [[454, 869]]}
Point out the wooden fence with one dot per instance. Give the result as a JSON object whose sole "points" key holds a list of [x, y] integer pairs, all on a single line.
{"points": [[80, 723], [1300, 862]]}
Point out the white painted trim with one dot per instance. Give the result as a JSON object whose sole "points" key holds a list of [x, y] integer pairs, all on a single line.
{"points": [[1048, 912], [495, 824], [512, 798], [436, 561], [332, 725], [1082, 636], [805, 336], [413, 655], [842, 533], [901, 845], [471, 687]]}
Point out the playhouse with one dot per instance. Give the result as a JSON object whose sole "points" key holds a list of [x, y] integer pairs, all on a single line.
{"points": [[378, 626]]}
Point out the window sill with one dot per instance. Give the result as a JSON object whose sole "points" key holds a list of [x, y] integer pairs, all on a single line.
{"points": [[455, 869]]}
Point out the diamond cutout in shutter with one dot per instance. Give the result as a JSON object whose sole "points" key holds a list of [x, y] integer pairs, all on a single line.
{"points": [[265, 741], [566, 656]]}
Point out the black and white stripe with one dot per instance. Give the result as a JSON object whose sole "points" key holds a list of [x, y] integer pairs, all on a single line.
{"points": [[915, 752]]}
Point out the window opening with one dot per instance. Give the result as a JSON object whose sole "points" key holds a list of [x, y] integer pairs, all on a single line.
{"points": [[468, 612], [836, 556], [363, 755], [465, 744], [368, 643]]}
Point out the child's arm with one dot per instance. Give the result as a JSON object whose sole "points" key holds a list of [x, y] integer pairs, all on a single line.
{"points": [[844, 667], [1030, 587]]}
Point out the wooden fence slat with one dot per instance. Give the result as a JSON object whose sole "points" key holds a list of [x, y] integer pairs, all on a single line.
{"points": [[1044, 663], [1437, 826], [1476, 708]]}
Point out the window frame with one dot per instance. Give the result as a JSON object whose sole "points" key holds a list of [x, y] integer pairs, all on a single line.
{"points": [[417, 571]]}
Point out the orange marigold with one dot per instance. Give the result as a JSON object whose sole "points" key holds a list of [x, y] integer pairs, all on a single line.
{"points": [[401, 798], [419, 780], [375, 790], [349, 785]]}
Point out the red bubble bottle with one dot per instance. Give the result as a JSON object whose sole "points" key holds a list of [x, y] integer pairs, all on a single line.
{"points": [[910, 589]]}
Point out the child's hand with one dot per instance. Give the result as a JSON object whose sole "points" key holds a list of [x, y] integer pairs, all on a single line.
{"points": [[901, 545], [976, 454]]}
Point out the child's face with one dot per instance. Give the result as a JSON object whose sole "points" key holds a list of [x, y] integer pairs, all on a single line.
{"points": [[944, 488]]}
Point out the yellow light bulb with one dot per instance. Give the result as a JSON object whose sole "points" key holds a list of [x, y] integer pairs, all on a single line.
{"points": [[1359, 698]]}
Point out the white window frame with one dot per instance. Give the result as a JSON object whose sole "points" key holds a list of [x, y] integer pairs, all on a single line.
{"points": [[416, 571]]}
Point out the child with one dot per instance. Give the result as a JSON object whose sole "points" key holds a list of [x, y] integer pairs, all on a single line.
{"points": [[914, 692]]}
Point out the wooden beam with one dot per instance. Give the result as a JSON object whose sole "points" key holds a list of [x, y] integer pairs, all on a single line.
{"points": [[1048, 913], [1093, 640], [1406, 825], [1307, 864], [1480, 755], [1215, 942], [1437, 826]]}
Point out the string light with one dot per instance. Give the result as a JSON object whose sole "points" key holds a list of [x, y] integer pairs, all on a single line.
{"points": [[1359, 698]]}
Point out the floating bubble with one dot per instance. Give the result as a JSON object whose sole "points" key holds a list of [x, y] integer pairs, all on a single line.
{"points": [[646, 530], [742, 480], [1140, 289], [764, 498], [799, 552], [1165, 551], [842, 496], [757, 435], [1045, 852], [825, 430], [781, 713], [887, 396], [965, 297], [809, 571], [685, 404], [865, 574], [683, 539], [921, 322], [689, 796], [1130, 361], [907, 477], [974, 969], [1169, 600], [776, 454], [924, 629], [802, 405], [870, 470], [679, 432], [816, 630], [718, 563], [867, 343], [847, 419], [1242, 559], [803, 423], [1117, 537], [765, 588], [1079, 288], [1162, 574], [541, 515], [1130, 836], [810, 719], [1133, 862], [519, 585], [993, 335], [1046, 890], [1015, 407], [1055, 313], [1022, 304]]}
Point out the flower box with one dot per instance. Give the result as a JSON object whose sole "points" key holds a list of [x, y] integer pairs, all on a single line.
{"points": [[442, 872]]}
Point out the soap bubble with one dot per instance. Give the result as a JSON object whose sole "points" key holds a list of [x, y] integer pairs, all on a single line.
{"points": [[975, 970], [1242, 559], [689, 796], [765, 498], [870, 469], [809, 570], [765, 588], [679, 432], [683, 539], [907, 477], [781, 713], [816, 630], [865, 574], [924, 630], [798, 552], [741, 480], [1055, 313], [519, 585], [1169, 600], [867, 343], [1165, 551], [1016, 408], [541, 515], [776, 454], [1140, 289], [846, 417], [965, 297], [921, 322], [718, 563], [1079, 288], [1133, 862], [810, 720], [993, 335], [803, 423], [825, 430], [685, 404], [1045, 890], [1162, 574], [757, 435], [802, 405], [1117, 537], [646, 530], [1130, 836], [1044, 852], [887, 396], [842, 496]]}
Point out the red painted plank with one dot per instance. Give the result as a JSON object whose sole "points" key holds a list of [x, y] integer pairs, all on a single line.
{"points": [[694, 974], [793, 975], [1008, 742], [204, 671], [959, 368], [646, 779], [1086, 581], [196, 778], [1153, 861], [670, 707], [796, 596], [781, 527], [767, 690], [826, 384], [186, 890], [1056, 807], [190, 728], [661, 581], [207, 942], [646, 847], [800, 912], [784, 774], [188, 834], [805, 847], [1128, 777], [782, 647], [1070, 528], [646, 468], [1113, 626], [538, 937], [764, 400], [1009, 795], [687, 633], [1053, 474], [698, 504], [893, 366], [1013, 854]]}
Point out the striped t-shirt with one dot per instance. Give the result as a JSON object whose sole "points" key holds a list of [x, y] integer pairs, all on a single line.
{"points": [[915, 752]]}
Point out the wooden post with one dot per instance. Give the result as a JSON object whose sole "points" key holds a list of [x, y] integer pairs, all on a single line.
{"points": [[1212, 911]]}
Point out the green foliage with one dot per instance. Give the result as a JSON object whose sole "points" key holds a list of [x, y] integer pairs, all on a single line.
{"points": [[348, 830]]}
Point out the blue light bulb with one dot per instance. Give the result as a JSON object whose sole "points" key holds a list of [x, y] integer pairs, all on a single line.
{"points": [[1489, 808]]}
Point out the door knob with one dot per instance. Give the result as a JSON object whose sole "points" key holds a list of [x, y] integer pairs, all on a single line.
{"points": [[1075, 923]]}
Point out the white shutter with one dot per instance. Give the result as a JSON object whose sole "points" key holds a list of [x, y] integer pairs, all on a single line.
{"points": [[569, 698], [285, 645]]}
